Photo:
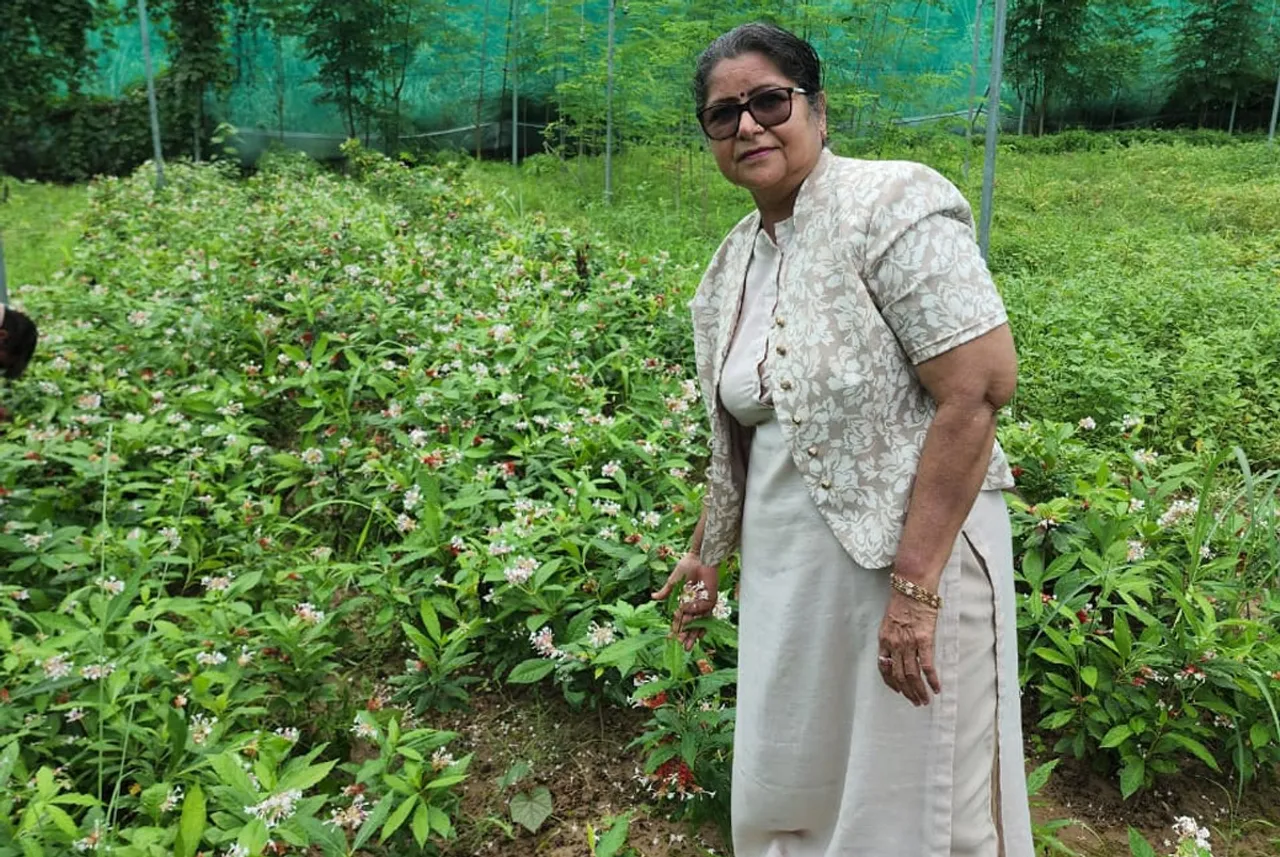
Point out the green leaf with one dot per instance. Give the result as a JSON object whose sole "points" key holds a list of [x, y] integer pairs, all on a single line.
{"points": [[1197, 749], [530, 809], [1122, 635], [253, 836], [1089, 675], [430, 620], [1117, 736], [532, 670], [1259, 737], [616, 839], [231, 774], [421, 825], [61, 820], [1038, 778], [1139, 846], [514, 774], [371, 824], [1132, 777], [191, 825], [398, 817], [440, 822], [1052, 656], [305, 778]]}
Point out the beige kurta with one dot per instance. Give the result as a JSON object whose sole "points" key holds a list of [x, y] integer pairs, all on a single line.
{"points": [[828, 761]]}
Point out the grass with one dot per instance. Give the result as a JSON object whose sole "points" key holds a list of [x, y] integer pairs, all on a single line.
{"points": [[39, 225]]}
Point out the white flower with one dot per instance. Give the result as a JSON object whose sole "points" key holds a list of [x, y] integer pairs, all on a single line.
{"points": [[74, 715], [722, 610], [351, 817], [58, 666], [508, 398], [544, 643], [607, 507], [364, 729], [220, 583], [406, 524], [1130, 421], [322, 553], [313, 457], [1179, 511], [288, 733], [1088, 424], [170, 534], [1206, 552], [307, 612], [611, 469], [135, 419], [600, 636], [111, 585], [33, 541], [523, 569], [171, 799], [1186, 828], [245, 657], [1137, 551], [500, 548], [441, 759], [98, 671], [411, 498], [236, 850], [211, 659], [651, 519], [89, 402], [277, 808], [1136, 505], [21, 595], [1146, 457]]}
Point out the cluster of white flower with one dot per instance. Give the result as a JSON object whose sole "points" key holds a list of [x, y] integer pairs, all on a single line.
{"points": [[600, 636], [607, 507], [277, 808], [651, 519], [544, 643], [219, 583], [98, 671], [33, 541], [610, 470], [1137, 551], [1189, 832], [722, 610], [171, 799], [351, 817], [1146, 457], [111, 585], [171, 535], [1179, 511], [405, 524], [307, 612], [523, 569], [1088, 424], [364, 729], [1130, 422], [200, 728], [58, 666], [288, 733], [313, 457]]}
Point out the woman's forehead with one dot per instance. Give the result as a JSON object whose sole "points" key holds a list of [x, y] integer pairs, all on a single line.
{"points": [[735, 77]]}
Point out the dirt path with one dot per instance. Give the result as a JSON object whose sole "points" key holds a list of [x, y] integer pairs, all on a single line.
{"points": [[583, 759]]}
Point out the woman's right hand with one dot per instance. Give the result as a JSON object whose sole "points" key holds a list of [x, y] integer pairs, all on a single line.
{"points": [[699, 589]]}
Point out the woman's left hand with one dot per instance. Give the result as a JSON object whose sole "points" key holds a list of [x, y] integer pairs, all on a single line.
{"points": [[906, 648]]}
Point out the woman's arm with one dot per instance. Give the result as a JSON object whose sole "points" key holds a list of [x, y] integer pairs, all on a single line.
{"points": [[970, 383]]}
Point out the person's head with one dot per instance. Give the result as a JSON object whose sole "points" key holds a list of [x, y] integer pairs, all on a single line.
{"points": [[770, 148], [18, 336]]}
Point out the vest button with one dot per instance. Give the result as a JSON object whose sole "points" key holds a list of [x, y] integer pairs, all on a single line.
{"points": [[786, 385], [826, 484], [782, 350], [813, 452], [780, 321]]}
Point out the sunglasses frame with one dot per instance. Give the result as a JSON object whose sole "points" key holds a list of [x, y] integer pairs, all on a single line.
{"points": [[745, 107]]}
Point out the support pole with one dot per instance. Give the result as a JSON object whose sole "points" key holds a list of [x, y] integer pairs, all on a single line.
{"points": [[993, 126], [608, 122], [973, 87], [515, 82], [1275, 114], [4, 282], [158, 152]]}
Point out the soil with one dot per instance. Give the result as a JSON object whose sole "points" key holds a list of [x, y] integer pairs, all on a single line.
{"points": [[583, 758]]}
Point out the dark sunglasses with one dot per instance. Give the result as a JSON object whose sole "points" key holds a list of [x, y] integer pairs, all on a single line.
{"points": [[770, 107]]}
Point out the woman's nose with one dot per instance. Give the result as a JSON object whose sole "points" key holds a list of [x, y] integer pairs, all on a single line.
{"points": [[748, 126]]}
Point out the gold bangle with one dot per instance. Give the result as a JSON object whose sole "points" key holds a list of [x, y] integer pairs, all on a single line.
{"points": [[915, 591]]}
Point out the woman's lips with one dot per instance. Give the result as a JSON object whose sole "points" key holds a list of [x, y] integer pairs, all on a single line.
{"points": [[755, 154]]}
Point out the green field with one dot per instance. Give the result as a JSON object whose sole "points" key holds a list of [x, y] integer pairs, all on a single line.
{"points": [[324, 485]]}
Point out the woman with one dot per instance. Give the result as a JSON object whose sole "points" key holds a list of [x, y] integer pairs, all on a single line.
{"points": [[853, 354]]}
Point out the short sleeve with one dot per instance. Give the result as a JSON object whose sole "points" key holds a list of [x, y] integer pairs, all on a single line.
{"points": [[925, 271]]}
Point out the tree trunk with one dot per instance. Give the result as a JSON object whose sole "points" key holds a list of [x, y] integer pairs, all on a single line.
{"points": [[351, 97], [1235, 103], [197, 121], [279, 45]]}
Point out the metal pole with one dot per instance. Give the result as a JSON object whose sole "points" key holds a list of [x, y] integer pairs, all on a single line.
{"points": [[158, 152], [993, 126], [515, 83], [608, 122], [4, 282], [973, 87], [1275, 114]]}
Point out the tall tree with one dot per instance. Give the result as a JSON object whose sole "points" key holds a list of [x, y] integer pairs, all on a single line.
{"points": [[201, 56], [1046, 41], [1218, 54], [339, 37]]}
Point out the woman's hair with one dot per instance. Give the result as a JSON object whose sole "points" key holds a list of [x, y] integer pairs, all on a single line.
{"points": [[793, 56], [18, 336]]}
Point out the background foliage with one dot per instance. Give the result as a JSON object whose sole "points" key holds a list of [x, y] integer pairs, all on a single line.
{"points": [[418, 75]]}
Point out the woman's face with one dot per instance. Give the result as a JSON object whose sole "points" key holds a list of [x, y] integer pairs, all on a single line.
{"points": [[769, 162]]}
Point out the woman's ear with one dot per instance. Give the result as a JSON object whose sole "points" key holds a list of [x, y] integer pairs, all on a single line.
{"points": [[820, 112]]}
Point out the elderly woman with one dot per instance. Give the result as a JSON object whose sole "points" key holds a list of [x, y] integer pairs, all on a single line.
{"points": [[853, 354]]}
